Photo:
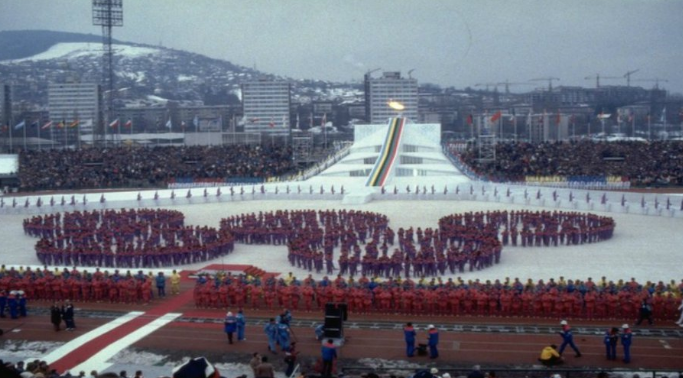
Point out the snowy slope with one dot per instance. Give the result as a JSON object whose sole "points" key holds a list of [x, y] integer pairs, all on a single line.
{"points": [[77, 50]]}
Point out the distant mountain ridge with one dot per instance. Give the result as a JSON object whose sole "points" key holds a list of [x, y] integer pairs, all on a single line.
{"points": [[31, 59], [19, 44]]}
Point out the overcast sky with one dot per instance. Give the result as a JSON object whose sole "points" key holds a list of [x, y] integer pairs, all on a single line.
{"points": [[447, 42]]}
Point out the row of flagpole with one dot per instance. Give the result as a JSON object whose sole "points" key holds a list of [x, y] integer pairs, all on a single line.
{"points": [[384, 191]]}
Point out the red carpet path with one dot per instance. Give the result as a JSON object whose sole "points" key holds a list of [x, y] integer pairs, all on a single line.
{"points": [[87, 350], [90, 348]]}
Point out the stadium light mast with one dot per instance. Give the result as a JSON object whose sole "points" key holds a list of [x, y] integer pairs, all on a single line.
{"points": [[106, 13]]}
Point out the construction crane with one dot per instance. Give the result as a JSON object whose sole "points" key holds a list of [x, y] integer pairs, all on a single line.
{"points": [[597, 79], [549, 79], [628, 74], [507, 84], [656, 80], [495, 85], [410, 72], [367, 74]]}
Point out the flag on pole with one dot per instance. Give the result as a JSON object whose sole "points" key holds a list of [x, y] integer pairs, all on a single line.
{"points": [[496, 116], [324, 120], [195, 122], [272, 122], [114, 124], [19, 125], [169, 125], [528, 119], [74, 123], [35, 124], [558, 119], [128, 124], [47, 125], [470, 120], [61, 124], [662, 118]]}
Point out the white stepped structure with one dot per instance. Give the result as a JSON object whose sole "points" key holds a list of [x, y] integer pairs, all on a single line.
{"points": [[402, 154]]}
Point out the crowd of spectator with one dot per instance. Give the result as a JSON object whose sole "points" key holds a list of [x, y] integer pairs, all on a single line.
{"points": [[645, 164], [41, 369], [125, 167]]}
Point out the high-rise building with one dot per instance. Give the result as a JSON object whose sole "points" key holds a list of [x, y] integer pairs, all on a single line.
{"points": [[5, 105], [266, 106], [390, 87], [71, 102]]}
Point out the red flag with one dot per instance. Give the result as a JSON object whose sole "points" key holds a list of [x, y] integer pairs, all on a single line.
{"points": [[129, 123], [558, 119], [470, 120], [496, 116], [47, 125], [114, 124]]}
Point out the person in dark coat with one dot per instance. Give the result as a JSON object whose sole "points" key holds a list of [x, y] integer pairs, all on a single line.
{"points": [[644, 313], [3, 303], [611, 339], [56, 316], [68, 316], [21, 299]]}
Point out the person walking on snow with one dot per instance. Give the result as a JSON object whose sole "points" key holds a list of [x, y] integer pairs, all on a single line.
{"points": [[230, 325], [611, 339], [241, 322], [626, 336], [433, 341], [271, 331], [567, 338], [409, 334]]}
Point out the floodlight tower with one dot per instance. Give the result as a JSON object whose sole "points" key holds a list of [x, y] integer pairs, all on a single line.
{"points": [[107, 13]]}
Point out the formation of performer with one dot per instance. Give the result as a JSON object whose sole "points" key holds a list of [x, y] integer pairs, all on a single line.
{"points": [[81, 286], [125, 238], [555, 299], [469, 241]]}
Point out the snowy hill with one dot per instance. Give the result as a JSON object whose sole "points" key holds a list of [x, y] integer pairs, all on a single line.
{"points": [[75, 50], [142, 69]]}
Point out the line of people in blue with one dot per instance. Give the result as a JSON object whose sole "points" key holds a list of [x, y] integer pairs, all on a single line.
{"points": [[14, 302], [410, 336]]}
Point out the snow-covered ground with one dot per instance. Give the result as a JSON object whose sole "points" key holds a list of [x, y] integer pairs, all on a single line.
{"points": [[73, 50], [644, 247]]}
